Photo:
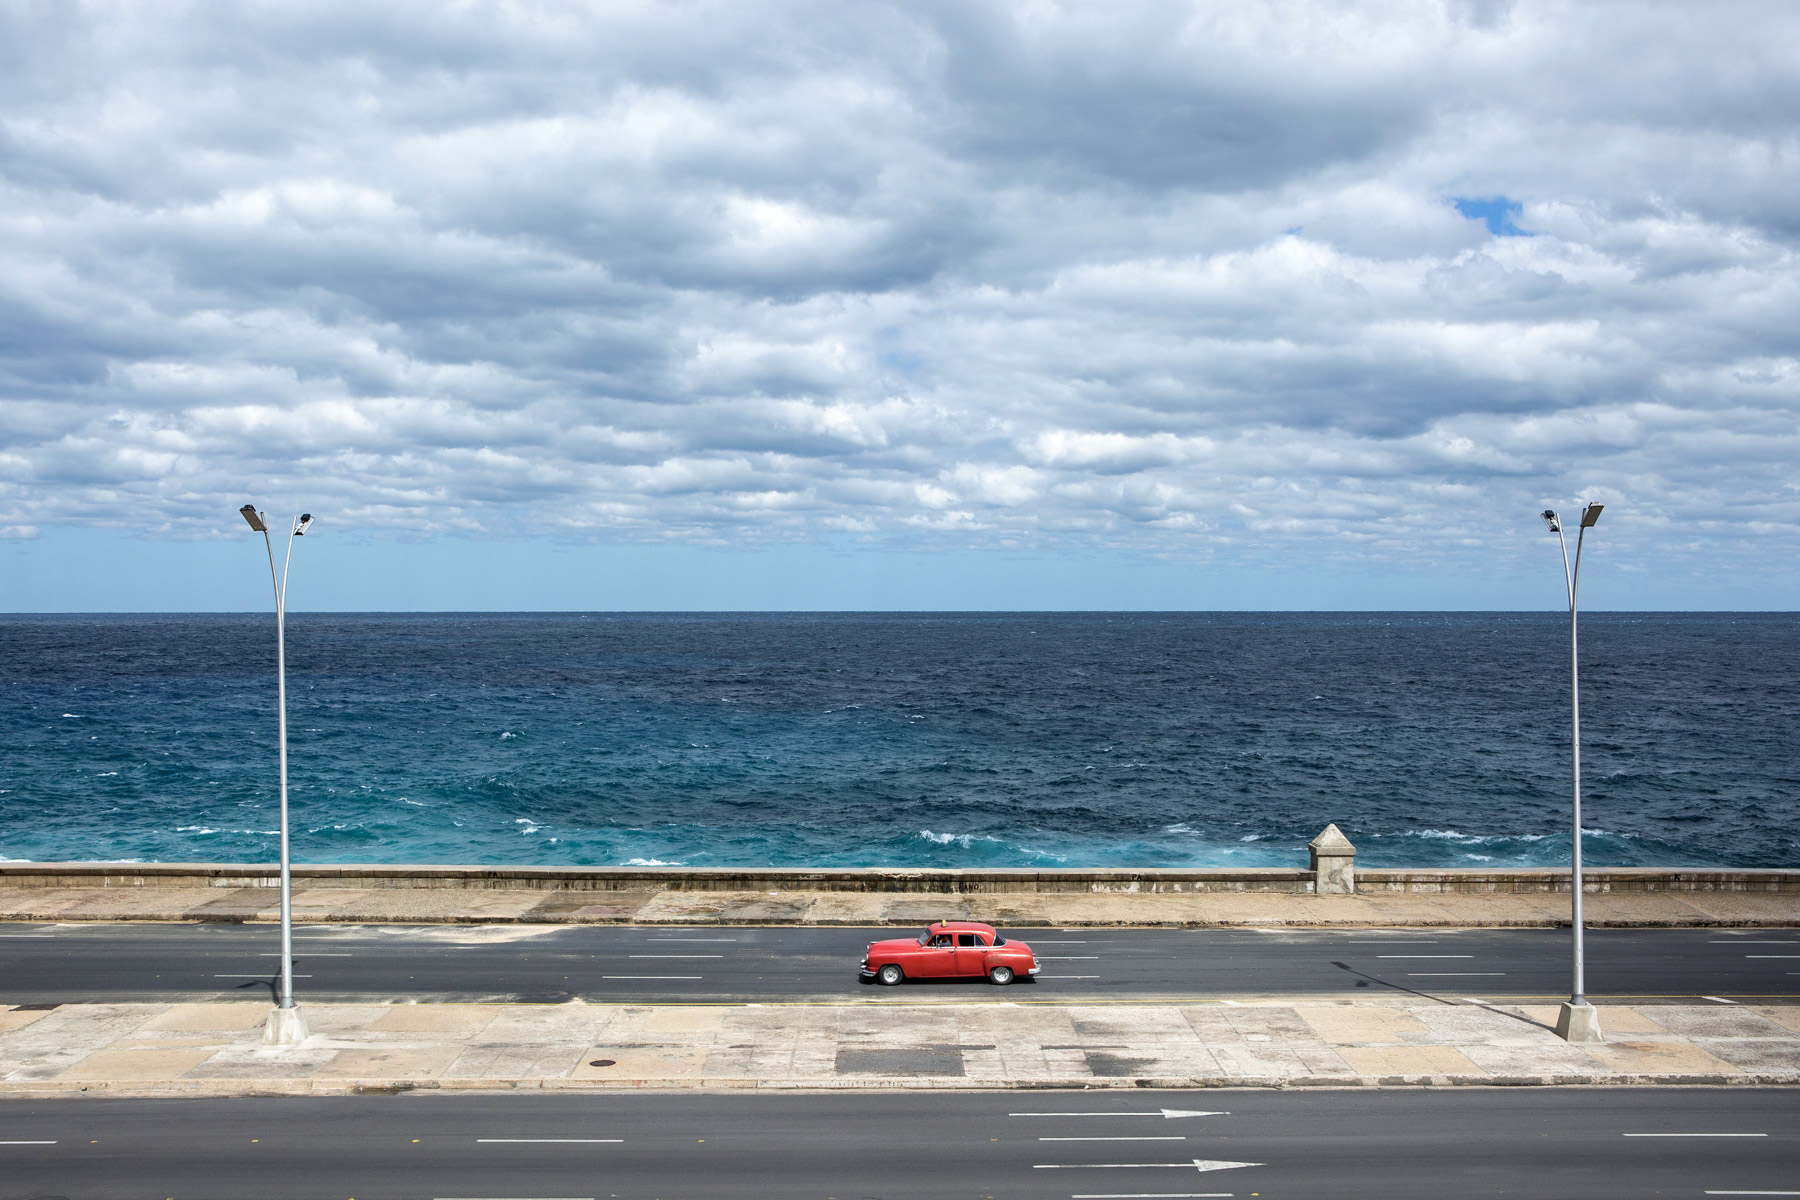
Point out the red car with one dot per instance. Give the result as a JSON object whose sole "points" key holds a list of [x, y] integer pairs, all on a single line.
{"points": [[948, 949]]}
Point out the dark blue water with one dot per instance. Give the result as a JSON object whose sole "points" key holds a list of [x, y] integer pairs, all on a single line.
{"points": [[1048, 740]]}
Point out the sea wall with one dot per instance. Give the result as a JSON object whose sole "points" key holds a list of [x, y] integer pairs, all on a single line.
{"points": [[967, 882]]}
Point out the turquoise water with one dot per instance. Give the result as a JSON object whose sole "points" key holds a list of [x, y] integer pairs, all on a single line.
{"points": [[1052, 740]]}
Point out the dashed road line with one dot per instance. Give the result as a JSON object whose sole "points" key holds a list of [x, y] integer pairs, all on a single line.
{"points": [[1693, 1135], [550, 1141], [653, 977], [1160, 1137]]}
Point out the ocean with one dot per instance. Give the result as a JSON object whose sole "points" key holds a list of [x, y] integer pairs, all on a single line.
{"points": [[1046, 740]]}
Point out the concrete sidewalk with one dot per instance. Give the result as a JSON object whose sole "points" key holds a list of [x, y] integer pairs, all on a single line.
{"points": [[400, 905], [216, 1048]]}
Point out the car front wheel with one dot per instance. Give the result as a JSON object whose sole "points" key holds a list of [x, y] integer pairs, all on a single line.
{"points": [[1001, 975], [890, 974]]}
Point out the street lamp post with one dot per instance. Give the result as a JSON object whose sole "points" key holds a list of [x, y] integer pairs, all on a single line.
{"points": [[287, 1025], [1577, 1021]]}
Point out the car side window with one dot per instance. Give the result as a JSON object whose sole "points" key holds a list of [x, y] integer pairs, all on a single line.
{"points": [[942, 939], [967, 939]]}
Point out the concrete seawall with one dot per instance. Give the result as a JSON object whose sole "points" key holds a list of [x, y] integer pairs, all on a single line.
{"points": [[638, 880]]}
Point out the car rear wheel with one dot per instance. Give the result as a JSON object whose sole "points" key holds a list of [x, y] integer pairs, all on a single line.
{"points": [[890, 974], [1000, 975]]}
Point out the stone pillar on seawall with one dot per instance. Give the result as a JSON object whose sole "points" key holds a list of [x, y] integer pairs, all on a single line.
{"points": [[1333, 863]]}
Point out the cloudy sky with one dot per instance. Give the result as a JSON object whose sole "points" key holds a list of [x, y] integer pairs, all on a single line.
{"points": [[925, 305]]}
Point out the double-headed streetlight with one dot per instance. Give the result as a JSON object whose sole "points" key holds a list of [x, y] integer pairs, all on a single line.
{"points": [[287, 1026], [1577, 1021]]}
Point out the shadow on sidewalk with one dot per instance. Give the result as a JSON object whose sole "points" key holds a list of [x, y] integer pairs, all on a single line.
{"points": [[1364, 979]]}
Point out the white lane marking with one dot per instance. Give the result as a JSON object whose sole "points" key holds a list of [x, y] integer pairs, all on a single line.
{"points": [[1424, 956], [1161, 1137], [308, 954], [1772, 956], [675, 956], [690, 941], [1198, 1164], [1062, 942], [1069, 957], [1693, 1135], [264, 975], [1719, 999], [1391, 941], [515, 1198], [27, 1143], [548, 1141], [1711, 1192], [652, 977], [1166, 1113], [1159, 1195], [1715, 942], [1449, 974], [24, 935], [1068, 977]]}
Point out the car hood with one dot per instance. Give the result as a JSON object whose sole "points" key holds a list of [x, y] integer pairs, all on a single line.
{"points": [[894, 946]]}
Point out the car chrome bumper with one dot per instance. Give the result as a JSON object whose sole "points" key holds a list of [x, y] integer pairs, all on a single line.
{"points": [[865, 972], [1031, 970]]}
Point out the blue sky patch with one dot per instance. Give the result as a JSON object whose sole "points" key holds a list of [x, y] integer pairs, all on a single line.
{"points": [[1496, 211]]}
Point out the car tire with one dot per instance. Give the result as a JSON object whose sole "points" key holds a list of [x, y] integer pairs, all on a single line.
{"points": [[890, 974], [1001, 975]]}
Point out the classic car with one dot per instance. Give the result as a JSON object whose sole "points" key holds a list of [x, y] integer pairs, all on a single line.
{"points": [[949, 949]]}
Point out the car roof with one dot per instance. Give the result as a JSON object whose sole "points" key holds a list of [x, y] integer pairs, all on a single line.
{"points": [[961, 926]]}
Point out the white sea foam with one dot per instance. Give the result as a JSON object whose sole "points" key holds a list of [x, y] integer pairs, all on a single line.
{"points": [[72, 714], [651, 862], [104, 774], [508, 736]]}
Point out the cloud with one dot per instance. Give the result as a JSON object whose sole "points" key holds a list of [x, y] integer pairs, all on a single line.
{"points": [[1190, 281]]}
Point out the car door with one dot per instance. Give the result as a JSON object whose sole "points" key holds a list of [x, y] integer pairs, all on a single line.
{"points": [[971, 954], [937, 958]]}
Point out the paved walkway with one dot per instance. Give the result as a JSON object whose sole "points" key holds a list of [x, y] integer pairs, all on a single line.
{"points": [[215, 1048], [436, 905]]}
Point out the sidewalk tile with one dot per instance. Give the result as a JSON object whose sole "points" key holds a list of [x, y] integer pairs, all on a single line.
{"points": [[211, 1017], [1717, 1022], [1344, 1024], [137, 1065], [464, 1019], [1771, 1057], [1407, 1060], [1660, 1057], [391, 1062], [516, 1062]]}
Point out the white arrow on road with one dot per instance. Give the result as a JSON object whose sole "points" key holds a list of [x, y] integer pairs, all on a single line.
{"points": [[1199, 1164], [1168, 1113]]}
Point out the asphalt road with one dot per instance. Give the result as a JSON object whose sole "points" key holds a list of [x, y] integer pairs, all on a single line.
{"points": [[1539, 1142], [76, 963]]}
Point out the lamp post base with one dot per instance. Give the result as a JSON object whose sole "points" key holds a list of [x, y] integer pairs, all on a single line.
{"points": [[1578, 1023], [286, 1027]]}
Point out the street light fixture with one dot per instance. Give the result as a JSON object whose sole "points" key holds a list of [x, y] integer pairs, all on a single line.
{"points": [[1577, 1021], [287, 1025]]}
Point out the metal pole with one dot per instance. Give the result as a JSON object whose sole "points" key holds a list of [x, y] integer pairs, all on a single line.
{"points": [[287, 909], [1579, 994]]}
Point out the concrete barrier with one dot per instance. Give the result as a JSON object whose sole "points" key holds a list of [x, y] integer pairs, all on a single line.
{"points": [[958, 882]]}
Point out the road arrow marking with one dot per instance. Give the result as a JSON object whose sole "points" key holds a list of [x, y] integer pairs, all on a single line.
{"points": [[1199, 1164], [1167, 1113]]}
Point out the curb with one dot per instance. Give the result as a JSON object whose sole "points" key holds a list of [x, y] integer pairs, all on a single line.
{"points": [[50, 1089]]}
